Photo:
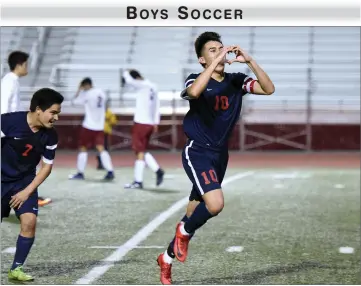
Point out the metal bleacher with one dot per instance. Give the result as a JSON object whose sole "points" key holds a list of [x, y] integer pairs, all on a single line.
{"points": [[321, 61], [9, 41]]}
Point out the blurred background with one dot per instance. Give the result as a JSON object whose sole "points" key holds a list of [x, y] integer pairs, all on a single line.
{"points": [[316, 71]]}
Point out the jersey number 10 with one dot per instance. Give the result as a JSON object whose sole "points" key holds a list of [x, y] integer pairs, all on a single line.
{"points": [[212, 175], [221, 103]]}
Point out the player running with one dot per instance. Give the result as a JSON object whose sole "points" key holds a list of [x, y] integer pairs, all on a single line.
{"points": [[92, 132], [27, 137], [215, 100], [146, 120]]}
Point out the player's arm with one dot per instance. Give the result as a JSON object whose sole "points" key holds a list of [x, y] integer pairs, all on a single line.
{"points": [[40, 177], [79, 98], [263, 85], [195, 87], [47, 162], [18, 199], [44, 172], [129, 80]]}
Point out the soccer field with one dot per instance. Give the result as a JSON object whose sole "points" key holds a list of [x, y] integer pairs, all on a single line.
{"points": [[279, 226]]}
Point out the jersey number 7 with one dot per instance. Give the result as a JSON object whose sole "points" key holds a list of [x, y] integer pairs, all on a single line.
{"points": [[28, 149], [221, 103]]}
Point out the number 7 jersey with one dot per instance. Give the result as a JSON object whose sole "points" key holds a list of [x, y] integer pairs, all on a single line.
{"points": [[212, 117], [22, 149]]}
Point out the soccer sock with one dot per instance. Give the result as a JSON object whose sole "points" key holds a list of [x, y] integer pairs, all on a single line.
{"points": [[138, 170], [169, 253], [198, 218], [106, 160], [23, 246], [151, 162], [82, 159]]}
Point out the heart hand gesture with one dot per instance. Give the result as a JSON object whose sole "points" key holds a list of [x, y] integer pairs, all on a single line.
{"points": [[241, 56]]}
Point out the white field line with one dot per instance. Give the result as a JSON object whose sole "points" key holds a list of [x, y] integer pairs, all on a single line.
{"points": [[142, 234], [10, 250], [140, 247]]}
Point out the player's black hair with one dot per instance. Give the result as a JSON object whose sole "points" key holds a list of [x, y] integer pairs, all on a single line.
{"points": [[17, 58], [45, 98], [85, 81], [135, 74], [203, 39]]}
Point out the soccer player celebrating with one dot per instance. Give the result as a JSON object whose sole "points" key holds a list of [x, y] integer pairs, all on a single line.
{"points": [[215, 100], [92, 132], [10, 98], [146, 120], [26, 137]]}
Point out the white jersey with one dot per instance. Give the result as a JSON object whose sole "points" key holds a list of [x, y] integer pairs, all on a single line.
{"points": [[10, 98], [147, 100], [94, 101]]}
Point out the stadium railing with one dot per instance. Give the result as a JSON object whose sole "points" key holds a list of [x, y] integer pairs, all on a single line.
{"points": [[37, 47]]}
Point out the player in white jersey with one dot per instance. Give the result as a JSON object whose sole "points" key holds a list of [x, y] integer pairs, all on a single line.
{"points": [[92, 134], [10, 93], [18, 65], [146, 120]]}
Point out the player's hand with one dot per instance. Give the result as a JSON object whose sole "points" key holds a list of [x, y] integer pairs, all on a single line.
{"points": [[80, 88], [155, 128], [18, 199], [222, 55], [241, 56]]}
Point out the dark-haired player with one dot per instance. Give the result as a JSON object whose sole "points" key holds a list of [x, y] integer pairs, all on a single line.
{"points": [[92, 131], [215, 101], [27, 138], [18, 65], [10, 97]]}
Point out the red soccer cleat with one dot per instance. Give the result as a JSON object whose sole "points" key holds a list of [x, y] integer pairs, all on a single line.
{"points": [[43, 201], [165, 271], [180, 244]]}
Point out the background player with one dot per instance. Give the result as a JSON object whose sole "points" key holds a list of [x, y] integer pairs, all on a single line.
{"points": [[26, 137], [94, 100], [110, 121], [215, 100], [10, 94], [18, 65], [146, 120]]}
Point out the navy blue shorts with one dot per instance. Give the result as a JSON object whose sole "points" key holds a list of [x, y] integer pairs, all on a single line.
{"points": [[9, 189], [205, 168]]}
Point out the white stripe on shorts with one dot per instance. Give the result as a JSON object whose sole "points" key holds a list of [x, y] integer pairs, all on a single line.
{"points": [[193, 171]]}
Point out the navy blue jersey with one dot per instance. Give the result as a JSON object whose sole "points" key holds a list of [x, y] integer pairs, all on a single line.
{"points": [[212, 116], [22, 149]]}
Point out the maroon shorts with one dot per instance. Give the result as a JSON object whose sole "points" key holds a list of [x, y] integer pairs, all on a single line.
{"points": [[140, 136], [90, 138]]}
